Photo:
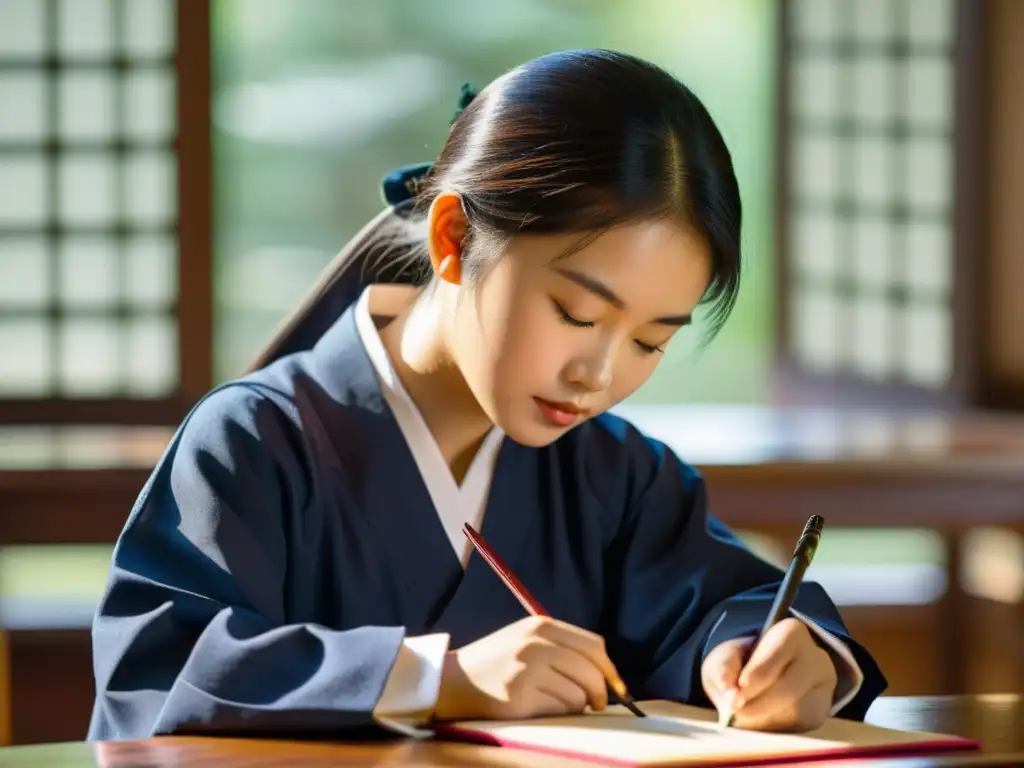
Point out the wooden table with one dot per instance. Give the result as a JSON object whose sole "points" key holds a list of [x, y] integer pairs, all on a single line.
{"points": [[996, 721]]}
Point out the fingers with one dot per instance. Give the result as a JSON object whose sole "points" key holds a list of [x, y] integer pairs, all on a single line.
{"points": [[800, 699], [721, 670], [724, 664], [774, 653], [545, 700], [571, 697], [580, 671], [786, 682], [587, 644], [577, 681]]}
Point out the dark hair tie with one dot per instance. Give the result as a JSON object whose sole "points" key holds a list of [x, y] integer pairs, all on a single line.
{"points": [[465, 99], [403, 184]]}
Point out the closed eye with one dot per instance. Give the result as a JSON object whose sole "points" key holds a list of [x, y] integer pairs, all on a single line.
{"points": [[569, 319], [647, 349]]}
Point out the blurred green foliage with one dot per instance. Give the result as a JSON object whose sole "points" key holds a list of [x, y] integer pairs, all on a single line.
{"points": [[315, 101]]}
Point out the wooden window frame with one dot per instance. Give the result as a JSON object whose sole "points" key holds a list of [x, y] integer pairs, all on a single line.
{"points": [[193, 310], [976, 380]]}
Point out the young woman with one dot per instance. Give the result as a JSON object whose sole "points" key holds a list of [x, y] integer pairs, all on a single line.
{"points": [[296, 565]]}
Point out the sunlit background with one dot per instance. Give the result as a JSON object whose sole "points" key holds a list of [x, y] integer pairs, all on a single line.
{"points": [[316, 101], [849, 237], [311, 104]]}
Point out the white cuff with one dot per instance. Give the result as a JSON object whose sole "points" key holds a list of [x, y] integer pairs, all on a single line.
{"points": [[848, 670], [410, 692]]}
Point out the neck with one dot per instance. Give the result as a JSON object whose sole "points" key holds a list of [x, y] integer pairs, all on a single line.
{"points": [[415, 343]]}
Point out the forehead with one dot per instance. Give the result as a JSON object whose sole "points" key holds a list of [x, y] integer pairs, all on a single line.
{"points": [[653, 265]]}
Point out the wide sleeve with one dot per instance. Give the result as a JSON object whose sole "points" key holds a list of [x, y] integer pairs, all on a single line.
{"points": [[682, 583], [192, 633]]}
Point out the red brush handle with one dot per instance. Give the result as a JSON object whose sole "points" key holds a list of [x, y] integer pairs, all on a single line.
{"points": [[503, 572]]}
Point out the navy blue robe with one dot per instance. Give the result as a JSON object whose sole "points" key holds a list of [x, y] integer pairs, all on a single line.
{"points": [[285, 544]]}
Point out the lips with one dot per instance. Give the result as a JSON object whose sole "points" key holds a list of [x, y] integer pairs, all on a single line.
{"points": [[559, 414]]}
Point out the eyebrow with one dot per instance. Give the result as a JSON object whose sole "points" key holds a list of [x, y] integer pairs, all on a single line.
{"points": [[600, 289]]}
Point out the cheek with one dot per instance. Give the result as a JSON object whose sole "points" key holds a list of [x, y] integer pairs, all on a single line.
{"points": [[632, 370], [532, 349], [492, 333], [639, 371]]}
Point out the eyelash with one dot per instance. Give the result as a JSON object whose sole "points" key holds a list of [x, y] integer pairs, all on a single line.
{"points": [[568, 319]]}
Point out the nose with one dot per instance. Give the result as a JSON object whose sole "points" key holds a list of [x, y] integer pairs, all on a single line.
{"points": [[593, 371]]}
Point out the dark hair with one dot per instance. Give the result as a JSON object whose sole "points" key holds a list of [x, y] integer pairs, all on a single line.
{"points": [[575, 141], [584, 140]]}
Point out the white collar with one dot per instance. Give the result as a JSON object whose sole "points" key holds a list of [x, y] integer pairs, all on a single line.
{"points": [[454, 504]]}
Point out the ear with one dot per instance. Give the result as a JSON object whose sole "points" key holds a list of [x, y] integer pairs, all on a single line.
{"points": [[448, 225]]}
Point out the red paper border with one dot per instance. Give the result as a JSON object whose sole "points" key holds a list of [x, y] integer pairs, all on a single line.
{"points": [[923, 748]]}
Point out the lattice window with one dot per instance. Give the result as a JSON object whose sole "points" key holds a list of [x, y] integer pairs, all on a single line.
{"points": [[870, 159], [89, 203]]}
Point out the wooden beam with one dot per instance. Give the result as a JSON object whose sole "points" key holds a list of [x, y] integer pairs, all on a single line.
{"points": [[1003, 151], [195, 198]]}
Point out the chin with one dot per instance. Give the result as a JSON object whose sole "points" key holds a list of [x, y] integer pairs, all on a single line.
{"points": [[534, 437], [529, 430]]}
